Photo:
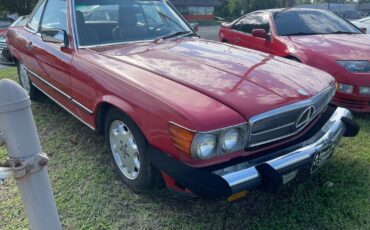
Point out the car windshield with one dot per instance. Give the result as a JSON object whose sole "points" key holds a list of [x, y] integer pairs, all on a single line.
{"points": [[21, 21], [102, 22], [310, 22]]}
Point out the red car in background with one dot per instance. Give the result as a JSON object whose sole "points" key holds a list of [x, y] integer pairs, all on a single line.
{"points": [[314, 37], [209, 118], [5, 56]]}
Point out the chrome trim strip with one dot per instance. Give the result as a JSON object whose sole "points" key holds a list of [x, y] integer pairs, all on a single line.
{"points": [[211, 131], [61, 92], [331, 132], [48, 84], [82, 106], [83, 122], [274, 129]]}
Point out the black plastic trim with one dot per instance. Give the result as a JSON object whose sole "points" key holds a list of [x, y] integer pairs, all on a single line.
{"points": [[200, 182]]}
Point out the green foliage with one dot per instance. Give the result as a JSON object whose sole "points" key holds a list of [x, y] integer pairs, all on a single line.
{"points": [[234, 8], [22, 7]]}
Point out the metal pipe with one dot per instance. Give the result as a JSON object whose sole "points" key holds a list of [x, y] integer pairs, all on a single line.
{"points": [[25, 154]]}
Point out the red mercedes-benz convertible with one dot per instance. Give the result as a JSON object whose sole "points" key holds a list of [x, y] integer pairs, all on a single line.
{"points": [[209, 118], [315, 37]]}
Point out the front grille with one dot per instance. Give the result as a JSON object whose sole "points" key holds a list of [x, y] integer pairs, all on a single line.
{"points": [[288, 120]]}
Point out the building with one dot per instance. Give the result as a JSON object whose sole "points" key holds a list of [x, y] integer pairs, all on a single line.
{"points": [[196, 9], [346, 10], [365, 8]]}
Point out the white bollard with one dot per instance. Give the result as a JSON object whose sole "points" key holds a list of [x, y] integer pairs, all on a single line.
{"points": [[26, 160]]}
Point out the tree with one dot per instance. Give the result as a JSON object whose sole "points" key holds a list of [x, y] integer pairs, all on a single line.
{"points": [[290, 3], [22, 7]]}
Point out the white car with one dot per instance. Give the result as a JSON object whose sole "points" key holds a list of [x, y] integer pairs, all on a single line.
{"points": [[363, 23]]}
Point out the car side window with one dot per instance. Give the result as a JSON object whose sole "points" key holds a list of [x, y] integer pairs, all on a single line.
{"points": [[251, 22], [98, 17], [34, 23], [55, 15]]}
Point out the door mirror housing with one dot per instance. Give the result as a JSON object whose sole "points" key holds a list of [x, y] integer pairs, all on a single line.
{"points": [[260, 33], [57, 36], [364, 30]]}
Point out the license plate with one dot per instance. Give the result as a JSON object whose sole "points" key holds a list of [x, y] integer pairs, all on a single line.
{"points": [[322, 157]]}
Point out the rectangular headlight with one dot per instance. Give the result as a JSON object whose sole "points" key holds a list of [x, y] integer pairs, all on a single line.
{"points": [[356, 66], [345, 88], [365, 91]]}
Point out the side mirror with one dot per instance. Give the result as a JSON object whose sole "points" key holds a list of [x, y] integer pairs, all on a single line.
{"points": [[364, 30], [195, 26], [260, 33], [55, 36]]}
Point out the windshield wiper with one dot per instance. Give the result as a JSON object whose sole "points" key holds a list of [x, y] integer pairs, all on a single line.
{"points": [[175, 34], [299, 33], [343, 32]]}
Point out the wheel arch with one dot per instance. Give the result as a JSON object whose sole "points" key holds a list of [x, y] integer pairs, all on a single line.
{"points": [[108, 102]]}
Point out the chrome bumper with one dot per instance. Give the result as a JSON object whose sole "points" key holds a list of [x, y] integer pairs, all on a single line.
{"points": [[330, 134]]}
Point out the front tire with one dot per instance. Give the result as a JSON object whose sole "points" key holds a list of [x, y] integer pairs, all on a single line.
{"points": [[26, 83], [128, 149]]}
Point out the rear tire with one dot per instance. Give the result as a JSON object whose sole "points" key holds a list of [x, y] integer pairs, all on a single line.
{"points": [[26, 83], [128, 149]]}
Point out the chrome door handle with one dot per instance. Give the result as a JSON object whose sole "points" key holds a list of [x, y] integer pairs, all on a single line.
{"points": [[29, 45], [237, 39]]}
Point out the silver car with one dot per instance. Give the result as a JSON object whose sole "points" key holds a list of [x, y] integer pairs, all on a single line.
{"points": [[363, 23]]}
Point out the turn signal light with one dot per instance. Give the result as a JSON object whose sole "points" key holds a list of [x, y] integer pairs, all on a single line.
{"points": [[181, 138]]}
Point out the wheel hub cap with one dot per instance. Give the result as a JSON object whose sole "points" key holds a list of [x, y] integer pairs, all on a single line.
{"points": [[124, 149]]}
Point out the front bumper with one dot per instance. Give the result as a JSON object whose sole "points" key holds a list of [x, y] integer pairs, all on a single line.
{"points": [[269, 172], [355, 102]]}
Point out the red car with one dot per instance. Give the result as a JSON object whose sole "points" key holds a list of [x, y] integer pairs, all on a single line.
{"points": [[314, 37], [209, 118], [5, 57]]}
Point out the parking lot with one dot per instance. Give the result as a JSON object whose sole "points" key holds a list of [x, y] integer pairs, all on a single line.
{"points": [[209, 32]]}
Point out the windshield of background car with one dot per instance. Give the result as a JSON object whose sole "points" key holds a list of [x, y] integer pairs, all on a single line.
{"points": [[101, 22], [311, 22]]}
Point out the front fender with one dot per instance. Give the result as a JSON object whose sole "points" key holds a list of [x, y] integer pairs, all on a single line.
{"points": [[119, 103]]}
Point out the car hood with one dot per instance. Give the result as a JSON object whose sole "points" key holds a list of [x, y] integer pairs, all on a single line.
{"points": [[337, 47], [247, 81]]}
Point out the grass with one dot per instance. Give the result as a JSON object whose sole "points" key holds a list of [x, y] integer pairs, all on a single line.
{"points": [[89, 195]]}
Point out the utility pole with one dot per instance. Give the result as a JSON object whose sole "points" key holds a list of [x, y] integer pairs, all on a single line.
{"points": [[26, 163]]}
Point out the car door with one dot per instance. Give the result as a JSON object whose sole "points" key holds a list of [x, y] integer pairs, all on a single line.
{"points": [[27, 37], [244, 28], [54, 59]]}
